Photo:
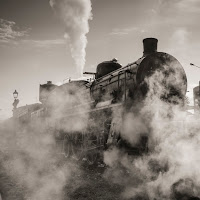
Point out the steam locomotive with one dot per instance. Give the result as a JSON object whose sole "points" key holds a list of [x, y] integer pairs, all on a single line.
{"points": [[80, 113]]}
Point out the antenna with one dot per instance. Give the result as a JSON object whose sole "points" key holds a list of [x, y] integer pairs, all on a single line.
{"points": [[194, 65]]}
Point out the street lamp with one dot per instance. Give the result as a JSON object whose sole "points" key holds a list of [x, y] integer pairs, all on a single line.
{"points": [[15, 94], [15, 121], [16, 101]]}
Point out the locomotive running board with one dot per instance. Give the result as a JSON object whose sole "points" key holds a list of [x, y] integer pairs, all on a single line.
{"points": [[93, 110]]}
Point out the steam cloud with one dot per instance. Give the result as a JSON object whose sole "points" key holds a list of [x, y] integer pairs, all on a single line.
{"points": [[170, 169], [32, 165], [75, 15]]}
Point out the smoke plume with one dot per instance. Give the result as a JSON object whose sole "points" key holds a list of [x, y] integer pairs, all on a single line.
{"points": [[75, 15]]}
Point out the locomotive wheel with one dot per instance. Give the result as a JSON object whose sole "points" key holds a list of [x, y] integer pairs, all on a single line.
{"points": [[92, 152], [77, 150], [66, 147], [92, 156]]}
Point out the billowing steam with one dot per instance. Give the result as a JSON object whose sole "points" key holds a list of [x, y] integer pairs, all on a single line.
{"points": [[75, 15], [170, 169], [32, 164]]}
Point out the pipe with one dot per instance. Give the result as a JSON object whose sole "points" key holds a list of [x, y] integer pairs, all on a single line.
{"points": [[150, 46]]}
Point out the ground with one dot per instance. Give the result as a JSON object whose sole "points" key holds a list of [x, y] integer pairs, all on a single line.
{"points": [[87, 183], [93, 185]]}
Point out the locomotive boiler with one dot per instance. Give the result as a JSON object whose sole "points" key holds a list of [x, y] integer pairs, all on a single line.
{"points": [[114, 88], [116, 83]]}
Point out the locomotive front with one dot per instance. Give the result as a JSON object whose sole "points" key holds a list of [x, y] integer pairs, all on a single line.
{"points": [[161, 74]]}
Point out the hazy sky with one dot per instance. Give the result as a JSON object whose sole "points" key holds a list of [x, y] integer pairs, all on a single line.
{"points": [[33, 49]]}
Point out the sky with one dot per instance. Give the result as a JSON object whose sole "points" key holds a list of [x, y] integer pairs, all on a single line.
{"points": [[33, 49]]}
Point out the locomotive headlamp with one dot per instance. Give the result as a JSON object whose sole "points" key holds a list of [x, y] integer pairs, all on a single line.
{"points": [[15, 94]]}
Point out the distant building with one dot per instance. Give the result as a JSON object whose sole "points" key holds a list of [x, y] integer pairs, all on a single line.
{"points": [[23, 113]]}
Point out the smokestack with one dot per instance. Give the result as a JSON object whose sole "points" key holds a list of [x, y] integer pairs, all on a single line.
{"points": [[150, 46]]}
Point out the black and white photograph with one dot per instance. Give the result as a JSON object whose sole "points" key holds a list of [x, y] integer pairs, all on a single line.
{"points": [[99, 100]]}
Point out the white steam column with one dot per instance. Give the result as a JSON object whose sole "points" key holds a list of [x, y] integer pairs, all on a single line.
{"points": [[75, 14]]}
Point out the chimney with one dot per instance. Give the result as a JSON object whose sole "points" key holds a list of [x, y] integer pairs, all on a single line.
{"points": [[150, 46], [49, 82]]}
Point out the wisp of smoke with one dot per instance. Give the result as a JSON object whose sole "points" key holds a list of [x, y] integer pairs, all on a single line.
{"points": [[75, 14]]}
